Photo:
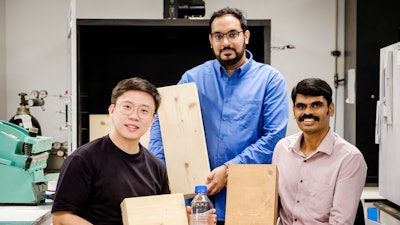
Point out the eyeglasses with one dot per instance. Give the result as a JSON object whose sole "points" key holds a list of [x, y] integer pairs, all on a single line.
{"points": [[143, 112], [231, 35]]}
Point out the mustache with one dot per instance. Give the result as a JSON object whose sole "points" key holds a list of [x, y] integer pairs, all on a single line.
{"points": [[227, 48], [310, 116]]}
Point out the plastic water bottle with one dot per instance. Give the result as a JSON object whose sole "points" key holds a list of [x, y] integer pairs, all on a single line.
{"points": [[200, 205]]}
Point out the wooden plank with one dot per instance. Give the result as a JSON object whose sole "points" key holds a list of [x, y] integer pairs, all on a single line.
{"points": [[168, 209], [183, 137], [252, 194], [100, 125]]}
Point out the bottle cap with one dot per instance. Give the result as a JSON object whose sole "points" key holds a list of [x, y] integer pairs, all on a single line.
{"points": [[200, 188]]}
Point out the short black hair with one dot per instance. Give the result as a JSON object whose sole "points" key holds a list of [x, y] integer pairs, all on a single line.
{"points": [[239, 14], [139, 84], [313, 87]]}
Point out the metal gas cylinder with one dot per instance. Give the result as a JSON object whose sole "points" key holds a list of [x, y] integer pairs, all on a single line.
{"points": [[23, 117]]}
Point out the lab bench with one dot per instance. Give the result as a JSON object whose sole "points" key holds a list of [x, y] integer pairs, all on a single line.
{"points": [[26, 214]]}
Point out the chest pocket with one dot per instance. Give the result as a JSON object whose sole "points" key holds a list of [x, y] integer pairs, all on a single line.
{"points": [[247, 113]]}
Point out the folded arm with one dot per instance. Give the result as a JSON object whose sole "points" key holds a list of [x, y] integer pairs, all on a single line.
{"points": [[68, 218]]}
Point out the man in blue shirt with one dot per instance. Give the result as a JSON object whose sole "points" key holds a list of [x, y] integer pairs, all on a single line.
{"points": [[244, 104]]}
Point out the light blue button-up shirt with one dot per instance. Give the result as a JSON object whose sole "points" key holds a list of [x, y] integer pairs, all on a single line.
{"points": [[244, 115]]}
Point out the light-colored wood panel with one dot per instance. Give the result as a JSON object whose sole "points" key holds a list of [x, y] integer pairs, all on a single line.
{"points": [[252, 194], [183, 138], [168, 209], [99, 125]]}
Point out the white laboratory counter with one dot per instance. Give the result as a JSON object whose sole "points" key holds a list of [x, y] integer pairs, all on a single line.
{"points": [[24, 215]]}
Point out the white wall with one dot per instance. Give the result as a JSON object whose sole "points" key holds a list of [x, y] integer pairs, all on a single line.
{"points": [[120, 9], [37, 51], [36, 59]]}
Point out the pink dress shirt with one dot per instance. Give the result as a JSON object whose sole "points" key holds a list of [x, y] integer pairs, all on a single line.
{"points": [[323, 188]]}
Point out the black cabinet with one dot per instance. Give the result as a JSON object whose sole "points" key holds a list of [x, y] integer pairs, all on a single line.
{"points": [[160, 51]]}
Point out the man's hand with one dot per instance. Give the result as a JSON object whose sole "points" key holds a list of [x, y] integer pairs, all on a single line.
{"points": [[212, 217], [217, 180]]}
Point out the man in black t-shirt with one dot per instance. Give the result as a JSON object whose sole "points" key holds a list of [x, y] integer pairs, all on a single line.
{"points": [[97, 176]]}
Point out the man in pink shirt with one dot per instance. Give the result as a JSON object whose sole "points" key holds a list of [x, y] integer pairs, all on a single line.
{"points": [[321, 175]]}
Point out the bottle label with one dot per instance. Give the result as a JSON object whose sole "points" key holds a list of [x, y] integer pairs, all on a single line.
{"points": [[199, 219]]}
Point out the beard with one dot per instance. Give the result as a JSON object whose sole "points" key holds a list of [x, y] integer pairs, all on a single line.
{"points": [[233, 61]]}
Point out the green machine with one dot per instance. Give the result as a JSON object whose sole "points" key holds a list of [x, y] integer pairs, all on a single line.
{"points": [[23, 158]]}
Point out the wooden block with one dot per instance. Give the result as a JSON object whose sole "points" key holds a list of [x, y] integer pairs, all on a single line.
{"points": [[252, 194], [168, 209], [183, 137], [100, 125]]}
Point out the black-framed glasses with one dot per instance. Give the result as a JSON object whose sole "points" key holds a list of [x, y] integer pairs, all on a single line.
{"points": [[231, 35], [143, 112]]}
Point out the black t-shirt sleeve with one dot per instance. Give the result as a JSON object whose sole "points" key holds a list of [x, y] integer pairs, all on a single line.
{"points": [[73, 186]]}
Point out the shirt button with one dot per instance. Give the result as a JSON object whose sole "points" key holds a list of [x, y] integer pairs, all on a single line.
{"points": [[298, 201], [305, 161], [295, 220], [301, 181]]}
